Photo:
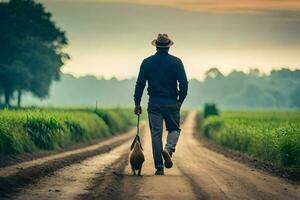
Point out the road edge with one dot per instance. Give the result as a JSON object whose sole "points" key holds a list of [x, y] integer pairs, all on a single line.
{"points": [[13, 183], [286, 174]]}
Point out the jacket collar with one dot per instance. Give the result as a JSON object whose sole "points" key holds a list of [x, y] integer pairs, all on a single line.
{"points": [[161, 52]]}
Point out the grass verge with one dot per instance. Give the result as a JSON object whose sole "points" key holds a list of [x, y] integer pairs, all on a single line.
{"points": [[50, 129], [273, 137]]}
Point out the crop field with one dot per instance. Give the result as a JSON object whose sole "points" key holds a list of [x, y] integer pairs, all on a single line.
{"points": [[30, 130], [272, 136]]}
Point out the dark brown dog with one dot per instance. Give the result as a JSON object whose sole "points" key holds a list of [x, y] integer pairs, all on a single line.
{"points": [[136, 156]]}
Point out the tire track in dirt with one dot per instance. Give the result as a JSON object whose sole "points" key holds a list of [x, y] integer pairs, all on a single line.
{"points": [[123, 185], [174, 185], [106, 185], [72, 181], [14, 177], [14, 169]]}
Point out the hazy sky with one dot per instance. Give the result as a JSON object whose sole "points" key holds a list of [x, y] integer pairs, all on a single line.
{"points": [[110, 38]]}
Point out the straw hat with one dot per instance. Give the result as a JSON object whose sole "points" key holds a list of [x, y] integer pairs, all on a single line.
{"points": [[162, 41]]}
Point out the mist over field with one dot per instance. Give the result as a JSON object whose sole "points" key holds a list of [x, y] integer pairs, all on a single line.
{"points": [[280, 89]]}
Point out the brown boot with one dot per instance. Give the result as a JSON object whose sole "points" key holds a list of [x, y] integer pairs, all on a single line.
{"points": [[167, 157], [160, 172]]}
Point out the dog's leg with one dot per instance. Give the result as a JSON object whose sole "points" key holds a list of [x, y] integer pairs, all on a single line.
{"points": [[133, 170], [139, 172]]}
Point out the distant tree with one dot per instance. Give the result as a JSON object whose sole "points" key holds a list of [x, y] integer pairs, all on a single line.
{"points": [[31, 52], [237, 74], [210, 109], [254, 72], [280, 100], [1, 102], [213, 73], [251, 95], [282, 73], [295, 97]]}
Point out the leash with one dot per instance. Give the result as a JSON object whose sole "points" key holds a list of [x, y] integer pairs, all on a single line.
{"points": [[137, 137], [138, 125]]}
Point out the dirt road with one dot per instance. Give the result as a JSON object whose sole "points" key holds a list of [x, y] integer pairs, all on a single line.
{"points": [[198, 173]]}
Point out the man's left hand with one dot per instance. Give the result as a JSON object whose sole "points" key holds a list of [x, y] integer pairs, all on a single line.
{"points": [[178, 104]]}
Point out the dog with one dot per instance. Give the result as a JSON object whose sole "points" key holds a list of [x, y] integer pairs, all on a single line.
{"points": [[137, 157]]}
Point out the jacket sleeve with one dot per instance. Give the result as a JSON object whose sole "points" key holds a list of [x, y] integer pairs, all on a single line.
{"points": [[183, 82], [140, 85]]}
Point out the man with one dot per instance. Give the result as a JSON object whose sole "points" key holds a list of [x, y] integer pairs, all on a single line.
{"points": [[165, 74]]}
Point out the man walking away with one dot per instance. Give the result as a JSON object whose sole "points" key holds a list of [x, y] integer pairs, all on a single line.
{"points": [[165, 74]]}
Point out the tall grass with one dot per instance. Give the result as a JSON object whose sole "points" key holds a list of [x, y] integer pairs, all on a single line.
{"points": [[33, 129], [269, 136]]}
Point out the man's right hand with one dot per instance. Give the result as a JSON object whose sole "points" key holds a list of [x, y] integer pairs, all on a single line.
{"points": [[138, 110]]}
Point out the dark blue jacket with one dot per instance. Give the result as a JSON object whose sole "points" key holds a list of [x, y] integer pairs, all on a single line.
{"points": [[165, 74]]}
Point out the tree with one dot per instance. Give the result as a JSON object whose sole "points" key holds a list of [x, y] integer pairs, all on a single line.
{"points": [[254, 72], [251, 95], [210, 109], [32, 52], [213, 73], [295, 97]]}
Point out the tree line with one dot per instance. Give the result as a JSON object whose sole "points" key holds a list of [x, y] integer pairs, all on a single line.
{"points": [[279, 89], [31, 51]]}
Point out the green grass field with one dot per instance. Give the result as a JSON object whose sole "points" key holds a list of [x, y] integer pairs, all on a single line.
{"points": [[272, 136], [31, 130]]}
